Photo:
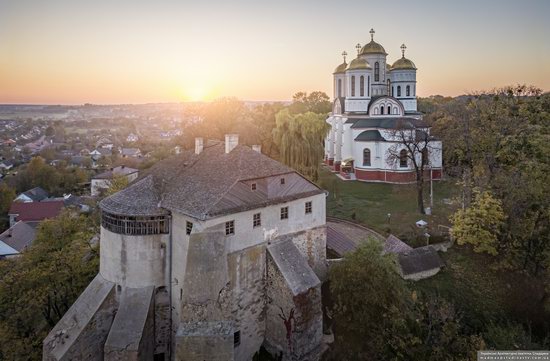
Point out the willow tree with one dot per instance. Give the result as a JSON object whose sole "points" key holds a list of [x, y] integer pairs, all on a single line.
{"points": [[300, 141]]}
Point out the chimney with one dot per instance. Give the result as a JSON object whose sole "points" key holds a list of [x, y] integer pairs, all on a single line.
{"points": [[257, 148], [199, 145], [231, 141]]}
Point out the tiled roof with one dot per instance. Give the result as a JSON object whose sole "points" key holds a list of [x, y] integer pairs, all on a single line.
{"points": [[338, 242], [395, 245], [20, 235], [36, 194], [36, 211], [117, 171], [419, 260], [195, 185]]}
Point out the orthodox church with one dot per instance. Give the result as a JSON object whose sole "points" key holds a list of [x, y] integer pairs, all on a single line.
{"points": [[374, 106]]}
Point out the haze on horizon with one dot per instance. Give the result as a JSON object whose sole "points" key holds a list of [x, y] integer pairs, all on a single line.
{"points": [[73, 52]]}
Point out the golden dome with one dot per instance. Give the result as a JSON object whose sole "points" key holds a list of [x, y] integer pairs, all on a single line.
{"points": [[341, 68], [358, 64], [373, 48], [403, 63]]}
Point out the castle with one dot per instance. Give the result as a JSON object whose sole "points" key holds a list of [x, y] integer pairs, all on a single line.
{"points": [[209, 256], [373, 102]]}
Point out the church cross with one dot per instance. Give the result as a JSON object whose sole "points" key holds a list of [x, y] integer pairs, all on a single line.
{"points": [[344, 54], [358, 47], [371, 34], [403, 47]]}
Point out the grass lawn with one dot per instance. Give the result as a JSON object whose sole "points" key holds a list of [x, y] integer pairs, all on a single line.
{"points": [[370, 204]]}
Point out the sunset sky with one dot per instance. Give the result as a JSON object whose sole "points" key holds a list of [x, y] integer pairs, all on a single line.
{"points": [[101, 51]]}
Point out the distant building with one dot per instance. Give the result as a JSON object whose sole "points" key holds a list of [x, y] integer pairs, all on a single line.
{"points": [[372, 102], [130, 152], [36, 194], [102, 181], [34, 211], [17, 238], [209, 256], [132, 138], [414, 263], [6, 165]]}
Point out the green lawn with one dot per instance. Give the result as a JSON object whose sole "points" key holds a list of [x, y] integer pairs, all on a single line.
{"points": [[370, 203]]}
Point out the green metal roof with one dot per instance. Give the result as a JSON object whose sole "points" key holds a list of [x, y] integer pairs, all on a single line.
{"points": [[370, 136]]}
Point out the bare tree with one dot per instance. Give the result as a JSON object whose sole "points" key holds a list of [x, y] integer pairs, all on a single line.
{"points": [[413, 145]]}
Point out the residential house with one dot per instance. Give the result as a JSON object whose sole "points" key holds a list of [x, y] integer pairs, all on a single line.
{"points": [[17, 238], [34, 211], [36, 194], [103, 180]]}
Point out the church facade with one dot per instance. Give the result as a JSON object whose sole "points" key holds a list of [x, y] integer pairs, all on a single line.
{"points": [[377, 133]]}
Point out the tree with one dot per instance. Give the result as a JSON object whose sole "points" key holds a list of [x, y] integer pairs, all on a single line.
{"points": [[316, 102], [480, 224], [37, 288], [413, 145], [7, 195], [369, 304], [222, 116], [300, 139], [117, 184]]}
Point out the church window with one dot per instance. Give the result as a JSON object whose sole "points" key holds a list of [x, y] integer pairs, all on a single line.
{"points": [[188, 227], [408, 90], [353, 85], [388, 88], [376, 111], [425, 158], [339, 87], [284, 212], [389, 109], [403, 159], [309, 207], [229, 228], [392, 91], [257, 220], [366, 156], [382, 110], [362, 86], [399, 90], [395, 110], [376, 71]]}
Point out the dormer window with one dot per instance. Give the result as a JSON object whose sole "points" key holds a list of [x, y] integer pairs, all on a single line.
{"points": [[253, 186]]}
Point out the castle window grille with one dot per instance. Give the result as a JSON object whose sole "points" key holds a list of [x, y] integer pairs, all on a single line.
{"points": [[229, 228], [284, 213], [309, 207], [257, 220], [135, 225]]}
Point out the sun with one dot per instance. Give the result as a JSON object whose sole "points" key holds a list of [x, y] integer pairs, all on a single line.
{"points": [[196, 93]]}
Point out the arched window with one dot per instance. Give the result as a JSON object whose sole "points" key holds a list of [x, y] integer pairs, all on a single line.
{"points": [[362, 86], [366, 156], [425, 157], [353, 85], [392, 91], [395, 110], [389, 109], [382, 110], [403, 158], [376, 71], [339, 87], [399, 90], [389, 87], [408, 90], [375, 110]]}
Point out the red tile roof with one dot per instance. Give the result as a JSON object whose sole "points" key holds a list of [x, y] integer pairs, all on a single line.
{"points": [[36, 211]]}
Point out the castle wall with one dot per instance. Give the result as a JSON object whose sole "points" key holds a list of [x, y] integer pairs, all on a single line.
{"points": [[82, 331], [133, 261]]}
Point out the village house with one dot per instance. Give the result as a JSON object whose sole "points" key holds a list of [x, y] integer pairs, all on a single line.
{"points": [[35, 194], [34, 211], [103, 180], [208, 256], [17, 238]]}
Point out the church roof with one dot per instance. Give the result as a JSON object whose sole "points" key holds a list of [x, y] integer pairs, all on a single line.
{"points": [[359, 63], [386, 122], [403, 63], [370, 136], [373, 48], [207, 184], [340, 69]]}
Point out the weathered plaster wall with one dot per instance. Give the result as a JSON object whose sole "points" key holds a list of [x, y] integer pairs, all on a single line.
{"points": [[201, 341], [82, 331], [133, 261], [247, 280], [162, 321], [294, 323], [132, 334]]}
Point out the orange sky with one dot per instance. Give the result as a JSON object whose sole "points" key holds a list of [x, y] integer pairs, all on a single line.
{"points": [[72, 52]]}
